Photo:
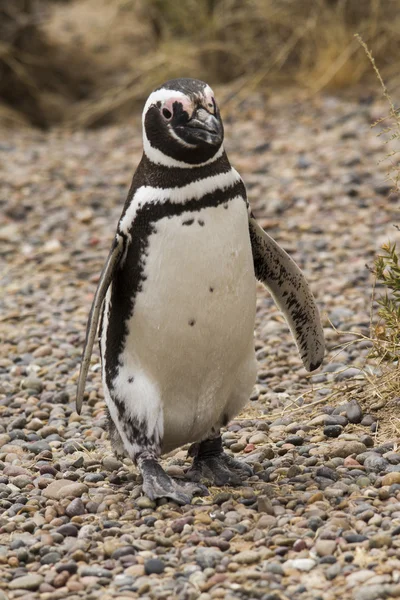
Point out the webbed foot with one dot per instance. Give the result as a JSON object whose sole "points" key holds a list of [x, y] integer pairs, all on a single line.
{"points": [[157, 484], [210, 463]]}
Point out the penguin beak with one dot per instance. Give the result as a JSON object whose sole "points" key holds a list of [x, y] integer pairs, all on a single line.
{"points": [[206, 127]]}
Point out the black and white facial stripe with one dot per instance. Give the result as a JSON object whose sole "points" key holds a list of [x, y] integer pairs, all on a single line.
{"points": [[182, 126]]}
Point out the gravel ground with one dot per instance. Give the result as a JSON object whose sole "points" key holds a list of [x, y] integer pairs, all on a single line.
{"points": [[321, 517]]}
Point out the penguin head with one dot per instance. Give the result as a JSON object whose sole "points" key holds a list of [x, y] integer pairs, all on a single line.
{"points": [[182, 125]]}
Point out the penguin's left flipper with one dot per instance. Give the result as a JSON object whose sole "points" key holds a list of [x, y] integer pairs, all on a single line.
{"points": [[291, 293], [106, 276]]}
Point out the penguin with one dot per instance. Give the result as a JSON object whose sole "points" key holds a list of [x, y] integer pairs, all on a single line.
{"points": [[176, 299]]}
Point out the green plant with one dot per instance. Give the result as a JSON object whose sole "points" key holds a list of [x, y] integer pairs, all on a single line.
{"points": [[387, 331]]}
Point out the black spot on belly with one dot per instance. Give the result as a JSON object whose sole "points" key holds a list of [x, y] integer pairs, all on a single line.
{"points": [[188, 222], [201, 223], [192, 322], [131, 379], [211, 289], [226, 206]]}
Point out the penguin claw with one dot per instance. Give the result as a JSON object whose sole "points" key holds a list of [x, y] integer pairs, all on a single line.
{"points": [[157, 484], [220, 470]]}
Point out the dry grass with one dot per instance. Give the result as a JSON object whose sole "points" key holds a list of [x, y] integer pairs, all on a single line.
{"points": [[39, 78], [127, 47]]}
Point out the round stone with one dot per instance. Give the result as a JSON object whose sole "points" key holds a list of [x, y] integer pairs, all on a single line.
{"points": [[354, 412], [154, 565], [333, 431]]}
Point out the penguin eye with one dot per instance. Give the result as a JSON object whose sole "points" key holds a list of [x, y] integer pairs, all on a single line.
{"points": [[166, 113], [211, 104]]}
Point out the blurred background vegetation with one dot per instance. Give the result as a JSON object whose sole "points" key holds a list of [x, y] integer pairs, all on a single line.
{"points": [[90, 62]]}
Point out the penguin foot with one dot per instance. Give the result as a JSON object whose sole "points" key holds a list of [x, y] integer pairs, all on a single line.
{"points": [[157, 484], [210, 463], [116, 442]]}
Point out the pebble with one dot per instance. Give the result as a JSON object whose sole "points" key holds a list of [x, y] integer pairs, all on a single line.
{"points": [[333, 431], [62, 488], [75, 508], [68, 530], [31, 581], [247, 557], [354, 412], [301, 564], [325, 547], [32, 383], [374, 462], [111, 464], [154, 565], [391, 478], [95, 572], [339, 448]]}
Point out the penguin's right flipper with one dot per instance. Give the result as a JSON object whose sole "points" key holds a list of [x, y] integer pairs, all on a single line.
{"points": [[291, 292], [105, 279]]}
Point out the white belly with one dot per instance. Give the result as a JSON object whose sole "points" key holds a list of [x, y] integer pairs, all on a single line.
{"points": [[190, 342]]}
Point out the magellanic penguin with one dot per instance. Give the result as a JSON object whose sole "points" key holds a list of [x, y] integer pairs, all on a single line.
{"points": [[177, 298]]}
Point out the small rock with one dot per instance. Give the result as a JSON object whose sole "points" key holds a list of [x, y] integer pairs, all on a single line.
{"points": [[296, 440], [354, 538], [208, 557], [354, 412], [317, 497], [258, 438], [237, 447], [301, 564], [68, 530], [26, 582], [154, 565], [95, 572], [299, 545], [371, 592], [380, 540], [293, 471], [325, 547], [21, 481], [62, 488], [351, 462], [247, 557], [70, 567], [339, 448], [50, 558], [145, 502], [110, 463], [266, 522], [336, 420], [391, 478], [264, 504], [75, 508], [317, 421], [367, 420], [32, 383], [37, 447], [333, 431], [375, 462], [349, 373], [123, 551]]}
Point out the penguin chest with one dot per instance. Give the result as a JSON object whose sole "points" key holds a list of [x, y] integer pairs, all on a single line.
{"points": [[193, 319]]}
